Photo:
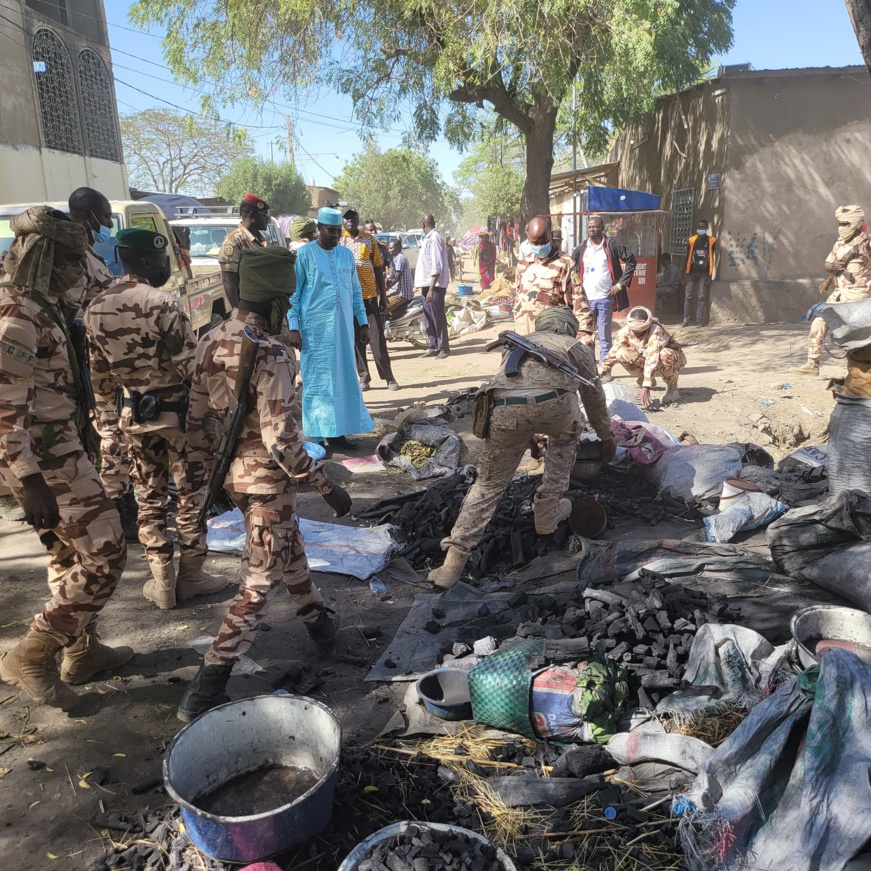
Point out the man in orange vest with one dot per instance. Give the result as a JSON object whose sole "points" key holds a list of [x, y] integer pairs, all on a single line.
{"points": [[699, 269]]}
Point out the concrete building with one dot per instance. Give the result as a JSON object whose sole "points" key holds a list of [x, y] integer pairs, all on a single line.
{"points": [[320, 196], [765, 156], [58, 117]]}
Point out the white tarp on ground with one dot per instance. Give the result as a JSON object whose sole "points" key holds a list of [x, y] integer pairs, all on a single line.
{"points": [[343, 550]]}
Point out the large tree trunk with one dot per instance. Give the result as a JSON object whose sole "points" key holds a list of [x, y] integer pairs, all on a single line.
{"points": [[860, 15], [539, 162]]}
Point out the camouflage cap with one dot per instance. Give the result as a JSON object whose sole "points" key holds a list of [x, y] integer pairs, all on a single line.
{"points": [[142, 240]]}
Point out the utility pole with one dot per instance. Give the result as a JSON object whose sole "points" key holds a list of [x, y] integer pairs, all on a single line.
{"points": [[290, 140]]}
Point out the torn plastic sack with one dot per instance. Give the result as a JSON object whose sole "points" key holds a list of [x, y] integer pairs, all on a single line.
{"points": [[850, 322], [681, 751], [344, 550], [467, 320], [621, 402], [441, 454], [804, 536], [694, 473], [850, 445], [808, 457], [734, 666], [844, 572], [603, 561], [741, 509], [789, 789]]}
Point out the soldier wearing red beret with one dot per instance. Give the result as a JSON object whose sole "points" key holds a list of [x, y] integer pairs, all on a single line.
{"points": [[254, 214]]}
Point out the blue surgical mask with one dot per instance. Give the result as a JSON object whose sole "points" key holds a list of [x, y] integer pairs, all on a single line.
{"points": [[101, 234], [702, 231], [541, 250]]}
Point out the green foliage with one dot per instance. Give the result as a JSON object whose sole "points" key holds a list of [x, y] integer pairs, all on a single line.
{"points": [[278, 183], [444, 61], [169, 152], [493, 175], [396, 188]]}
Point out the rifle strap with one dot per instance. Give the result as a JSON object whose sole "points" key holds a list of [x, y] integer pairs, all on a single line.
{"points": [[82, 411]]}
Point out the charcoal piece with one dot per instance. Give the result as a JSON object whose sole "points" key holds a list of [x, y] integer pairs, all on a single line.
{"points": [[663, 621], [660, 680], [644, 700], [583, 760], [433, 627], [651, 624], [518, 599], [619, 650], [609, 796], [484, 611], [439, 613], [671, 662], [146, 785], [604, 596]]}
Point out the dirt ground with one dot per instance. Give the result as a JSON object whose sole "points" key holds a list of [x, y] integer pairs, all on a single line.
{"points": [[124, 723]]}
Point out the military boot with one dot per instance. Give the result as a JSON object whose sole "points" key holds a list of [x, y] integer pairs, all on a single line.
{"points": [[449, 573], [32, 666], [193, 581], [10, 509], [549, 513], [161, 588], [128, 509], [812, 367], [325, 632], [206, 691], [89, 656], [671, 395]]}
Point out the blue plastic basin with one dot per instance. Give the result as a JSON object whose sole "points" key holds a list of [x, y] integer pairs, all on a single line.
{"points": [[244, 736]]}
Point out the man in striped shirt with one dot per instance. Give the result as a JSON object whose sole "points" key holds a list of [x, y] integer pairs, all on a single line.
{"points": [[400, 280]]}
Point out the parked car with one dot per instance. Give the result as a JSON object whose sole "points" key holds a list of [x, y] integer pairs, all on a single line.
{"points": [[202, 296], [208, 231]]}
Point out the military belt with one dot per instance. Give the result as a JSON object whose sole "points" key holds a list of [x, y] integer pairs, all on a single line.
{"points": [[526, 400], [176, 406]]}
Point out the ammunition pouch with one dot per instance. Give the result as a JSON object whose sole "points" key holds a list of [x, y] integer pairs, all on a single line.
{"points": [[482, 412], [145, 407]]}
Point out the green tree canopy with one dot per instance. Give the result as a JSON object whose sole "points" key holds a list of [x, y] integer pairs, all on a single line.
{"points": [[169, 152], [396, 188], [448, 60], [492, 175], [278, 183]]}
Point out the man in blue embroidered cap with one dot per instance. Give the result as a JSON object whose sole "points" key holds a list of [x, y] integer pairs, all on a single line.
{"points": [[322, 311]]}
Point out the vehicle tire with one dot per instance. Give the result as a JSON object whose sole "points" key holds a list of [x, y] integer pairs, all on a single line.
{"points": [[417, 333]]}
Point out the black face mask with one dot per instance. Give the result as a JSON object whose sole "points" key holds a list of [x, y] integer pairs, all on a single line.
{"points": [[161, 276]]}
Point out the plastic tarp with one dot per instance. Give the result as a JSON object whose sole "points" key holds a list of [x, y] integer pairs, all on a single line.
{"points": [[602, 199], [850, 445], [435, 433], [850, 322], [695, 473], [342, 550], [171, 203], [790, 788]]}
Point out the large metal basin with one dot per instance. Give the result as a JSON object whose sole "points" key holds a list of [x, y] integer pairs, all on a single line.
{"points": [[830, 623], [244, 736]]}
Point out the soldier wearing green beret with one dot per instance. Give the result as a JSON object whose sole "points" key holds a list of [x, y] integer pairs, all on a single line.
{"points": [[142, 360]]}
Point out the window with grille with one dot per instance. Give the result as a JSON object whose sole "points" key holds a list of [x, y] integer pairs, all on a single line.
{"points": [[97, 104], [682, 208], [57, 94]]}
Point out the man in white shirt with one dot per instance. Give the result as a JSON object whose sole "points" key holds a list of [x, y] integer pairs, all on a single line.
{"points": [[606, 268], [432, 276]]}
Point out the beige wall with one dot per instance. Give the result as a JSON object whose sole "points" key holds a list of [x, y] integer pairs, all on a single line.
{"points": [[790, 148], [30, 175]]}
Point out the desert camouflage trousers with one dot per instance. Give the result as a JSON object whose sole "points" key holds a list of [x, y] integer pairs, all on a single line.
{"points": [[86, 550], [511, 428], [274, 554], [115, 461], [671, 361], [156, 454], [817, 334]]}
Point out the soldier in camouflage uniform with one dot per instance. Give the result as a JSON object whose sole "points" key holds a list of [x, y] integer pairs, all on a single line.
{"points": [[547, 277], [43, 412], [254, 214], [645, 349], [91, 210], [269, 460], [849, 267], [142, 353], [541, 399]]}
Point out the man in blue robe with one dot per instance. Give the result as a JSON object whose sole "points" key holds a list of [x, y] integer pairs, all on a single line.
{"points": [[321, 319]]}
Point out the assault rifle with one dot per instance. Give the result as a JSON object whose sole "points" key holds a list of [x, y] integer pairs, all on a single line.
{"points": [[520, 347], [232, 424]]}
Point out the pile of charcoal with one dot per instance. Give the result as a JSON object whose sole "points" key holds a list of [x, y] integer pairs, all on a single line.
{"points": [[421, 848], [509, 541], [647, 625]]}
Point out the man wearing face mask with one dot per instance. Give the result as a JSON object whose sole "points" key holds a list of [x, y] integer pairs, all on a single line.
{"points": [[91, 210], [547, 277], [142, 358], [699, 269], [849, 268], [269, 461], [43, 414]]}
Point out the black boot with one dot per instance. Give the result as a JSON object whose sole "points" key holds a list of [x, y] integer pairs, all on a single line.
{"points": [[205, 692], [325, 632], [128, 508]]}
